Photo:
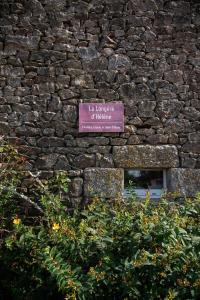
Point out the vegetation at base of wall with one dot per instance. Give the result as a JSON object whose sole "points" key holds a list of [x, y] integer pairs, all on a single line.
{"points": [[106, 250]]}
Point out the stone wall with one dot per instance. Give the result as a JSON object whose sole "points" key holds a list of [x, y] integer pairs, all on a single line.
{"points": [[55, 54]]}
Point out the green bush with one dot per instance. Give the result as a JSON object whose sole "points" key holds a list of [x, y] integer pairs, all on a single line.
{"points": [[106, 250]]}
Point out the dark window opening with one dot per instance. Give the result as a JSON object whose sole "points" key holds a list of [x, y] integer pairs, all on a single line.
{"points": [[139, 182]]}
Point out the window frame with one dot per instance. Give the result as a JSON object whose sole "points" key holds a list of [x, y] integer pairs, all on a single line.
{"points": [[141, 193]]}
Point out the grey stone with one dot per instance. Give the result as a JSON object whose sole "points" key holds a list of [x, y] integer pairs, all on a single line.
{"points": [[169, 108], [85, 160], [146, 108], [108, 94], [46, 162], [191, 147], [118, 61], [22, 42], [36, 7], [105, 161], [62, 163], [157, 139], [66, 94], [87, 141], [187, 161], [184, 181], [145, 156], [104, 182], [50, 142], [194, 137], [99, 149], [76, 187], [5, 109], [118, 142], [70, 113], [88, 53], [127, 90], [175, 76], [84, 81], [89, 93], [134, 140], [4, 128]]}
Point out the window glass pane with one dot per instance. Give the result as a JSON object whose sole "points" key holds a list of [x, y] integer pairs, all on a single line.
{"points": [[141, 181]]}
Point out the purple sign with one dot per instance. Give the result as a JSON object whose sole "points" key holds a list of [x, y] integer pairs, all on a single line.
{"points": [[101, 117]]}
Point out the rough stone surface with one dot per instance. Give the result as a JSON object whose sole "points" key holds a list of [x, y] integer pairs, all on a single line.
{"points": [[145, 156], [57, 54], [76, 187], [185, 181], [103, 182]]}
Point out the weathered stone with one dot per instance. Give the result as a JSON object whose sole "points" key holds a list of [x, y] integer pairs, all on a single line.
{"points": [[46, 162], [22, 42], [50, 142], [4, 128], [157, 139], [169, 109], [88, 141], [133, 140], [187, 161], [70, 113], [85, 160], [88, 53], [105, 161], [62, 163], [76, 187], [67, 94], [118, 61], [99, 149], [191, 147], [84, 81], [118, 142], [104, 182], [194, 137], [127, 90], [57, 54], [89, 93], [146, 108], [145, 156], [175, 76], [104, 75], [185, 181], [36, 7]]}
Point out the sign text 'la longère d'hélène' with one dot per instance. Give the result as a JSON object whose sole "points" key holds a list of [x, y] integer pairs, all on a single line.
{"points": [[101, 117]]}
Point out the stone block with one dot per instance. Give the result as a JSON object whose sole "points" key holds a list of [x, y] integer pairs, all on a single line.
{"points": [[50, 142], [105, 182], [46, 162], [145, 156], [118, 61], [191, 147], [88, 53], [84, 161], [76, 187], [70, 113], [22, 42], [185, 181]]}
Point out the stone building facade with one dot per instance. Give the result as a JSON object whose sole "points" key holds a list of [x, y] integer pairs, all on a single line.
{"points": [[55, 54]]}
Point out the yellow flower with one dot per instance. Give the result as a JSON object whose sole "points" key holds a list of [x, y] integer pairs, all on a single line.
{"points": [[16, 221], [56, 226], [162, 274]]}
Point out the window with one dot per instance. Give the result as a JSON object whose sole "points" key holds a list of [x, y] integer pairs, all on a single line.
{"points": [[142, 181]]}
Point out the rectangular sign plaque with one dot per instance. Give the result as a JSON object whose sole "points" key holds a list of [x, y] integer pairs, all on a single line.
{"points": [[101, 117]]}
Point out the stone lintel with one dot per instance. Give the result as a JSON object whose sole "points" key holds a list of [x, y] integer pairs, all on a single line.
{"points": [[106, 182], [184, 181], [146, 156]]}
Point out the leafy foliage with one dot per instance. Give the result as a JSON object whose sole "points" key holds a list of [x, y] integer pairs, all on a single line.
{"points": [[107, 250]]}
